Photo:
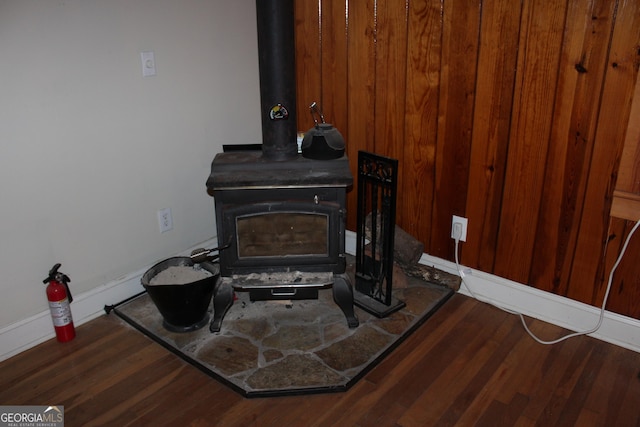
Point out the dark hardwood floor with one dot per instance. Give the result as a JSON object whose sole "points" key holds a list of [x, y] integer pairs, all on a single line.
{"points": [[470, 364]]}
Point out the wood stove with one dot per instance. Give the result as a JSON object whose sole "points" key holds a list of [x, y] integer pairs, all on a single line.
{"points": [[283, 226], [279, 216]]}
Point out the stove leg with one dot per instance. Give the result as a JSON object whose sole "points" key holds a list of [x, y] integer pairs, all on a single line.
{"points": [[343, 296], [222, 301]]}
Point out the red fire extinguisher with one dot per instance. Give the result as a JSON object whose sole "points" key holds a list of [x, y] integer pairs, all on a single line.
{"points": [[59, 297]]}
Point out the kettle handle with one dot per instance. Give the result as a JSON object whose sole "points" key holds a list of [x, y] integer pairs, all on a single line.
{"points": [[316, 110]]}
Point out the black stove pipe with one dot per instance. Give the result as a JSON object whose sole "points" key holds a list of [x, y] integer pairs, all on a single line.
{"points": [[276, 51]]}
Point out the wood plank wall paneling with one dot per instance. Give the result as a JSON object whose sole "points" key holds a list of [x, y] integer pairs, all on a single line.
{"points": [[492, 119], [461, 26], [629, 175], [390, 70], [595, 240], [541, 34], [424, 46], [581, 74], [512, 114], [626, 198], [308, 48], [623, 63]]}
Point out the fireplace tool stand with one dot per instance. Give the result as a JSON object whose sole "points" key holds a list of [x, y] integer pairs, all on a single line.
{"points": [[377, 188]]}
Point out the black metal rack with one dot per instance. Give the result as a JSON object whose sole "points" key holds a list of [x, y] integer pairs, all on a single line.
{"points": [[377, 194]]}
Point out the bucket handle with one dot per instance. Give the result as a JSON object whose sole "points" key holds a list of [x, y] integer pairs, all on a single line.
{"points": [[202, 255]]}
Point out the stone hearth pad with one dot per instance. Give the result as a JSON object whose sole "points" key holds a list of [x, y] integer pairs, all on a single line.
{"points": [[271, 348]]}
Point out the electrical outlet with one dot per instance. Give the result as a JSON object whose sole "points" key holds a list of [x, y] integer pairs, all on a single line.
{"points": [[165, 222], [459, 228]]}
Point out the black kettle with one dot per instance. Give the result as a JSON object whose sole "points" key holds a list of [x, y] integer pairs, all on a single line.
{"points": [[323, 141]]}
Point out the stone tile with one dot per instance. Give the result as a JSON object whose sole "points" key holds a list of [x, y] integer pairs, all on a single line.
{"points": [[421, 298], [335, 331], [255, 328], [270, 355], [298, 337], [231, 355], [294, 371], [396, 323], [355, 350]]}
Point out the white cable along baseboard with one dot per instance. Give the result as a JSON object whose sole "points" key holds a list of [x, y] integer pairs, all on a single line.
{"points": [[616, 329]]}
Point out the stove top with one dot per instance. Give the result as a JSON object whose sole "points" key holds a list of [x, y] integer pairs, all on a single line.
{"points": [[250, 170]]}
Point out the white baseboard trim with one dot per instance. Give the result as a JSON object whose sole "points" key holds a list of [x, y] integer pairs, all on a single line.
{"points": [[570, 314], [29, 332], [616, 329]]}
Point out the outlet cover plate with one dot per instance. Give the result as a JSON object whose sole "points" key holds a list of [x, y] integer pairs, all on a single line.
{"points": [[463, 225], [165, 222]]}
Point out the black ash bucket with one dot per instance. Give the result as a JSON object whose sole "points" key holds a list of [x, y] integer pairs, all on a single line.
{"points": [[182, 291]]}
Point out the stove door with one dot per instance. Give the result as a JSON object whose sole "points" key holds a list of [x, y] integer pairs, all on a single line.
{"points": [[281, 235]]}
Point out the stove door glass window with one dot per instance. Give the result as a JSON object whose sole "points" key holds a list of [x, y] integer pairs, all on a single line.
{"points": [[279, 234]]}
